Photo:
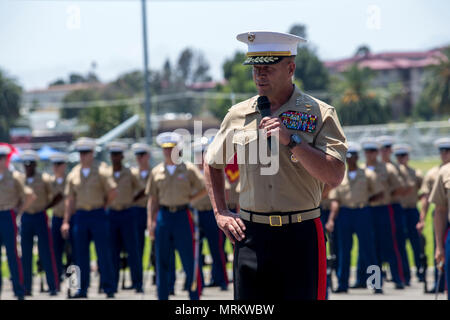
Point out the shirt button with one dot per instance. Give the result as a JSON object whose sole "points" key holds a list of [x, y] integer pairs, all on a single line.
{"points": [[270, 186]]}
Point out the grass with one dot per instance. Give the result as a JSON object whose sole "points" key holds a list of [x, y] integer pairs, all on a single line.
{"points": [[423, 166]]}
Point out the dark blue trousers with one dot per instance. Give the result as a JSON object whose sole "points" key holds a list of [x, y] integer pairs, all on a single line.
{"points": [[412, 217], [59, 244], [386, 247], [400, 237], [94, 225], [140, 218], [324, 214], [8, 238], [37, 225], [441, 283], [352, 221], [215, 238], [175, 230], [124, 231], [447, 264]]}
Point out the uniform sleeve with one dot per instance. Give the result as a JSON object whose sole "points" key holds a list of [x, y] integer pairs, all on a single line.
{"points": [[438, 194], [48, 186], [21, 189], [221, 149], [419, 179], [331, 138], [425, 187], [151, 187], [69, 190], [334, 194], [136, 183], [374, 185], [196, 178], [394, 179]]}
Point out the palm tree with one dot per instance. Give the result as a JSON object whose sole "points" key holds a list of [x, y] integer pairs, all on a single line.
{"points": [[437, 88], [10, 93]]}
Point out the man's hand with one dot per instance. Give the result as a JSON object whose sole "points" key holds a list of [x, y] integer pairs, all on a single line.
{"points": [[329, 226], [231, 225], [419, 226], [439, 256], [151, 231], [273, 125], [65, 227]]}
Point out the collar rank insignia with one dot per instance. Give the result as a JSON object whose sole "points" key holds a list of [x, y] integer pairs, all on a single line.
{"points": [[299, 121]]}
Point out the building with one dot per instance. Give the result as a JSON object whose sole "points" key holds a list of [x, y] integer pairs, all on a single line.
{"points": [[405, 68]]}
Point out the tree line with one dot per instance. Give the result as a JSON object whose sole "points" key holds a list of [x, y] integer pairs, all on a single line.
{"points": [[352, 92]]}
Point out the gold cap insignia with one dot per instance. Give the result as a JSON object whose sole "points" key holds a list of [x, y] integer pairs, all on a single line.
{"points": [[293, 158], [251, 37]]}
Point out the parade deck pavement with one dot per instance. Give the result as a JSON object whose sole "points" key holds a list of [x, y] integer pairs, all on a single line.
{"points": [[413, 292]]}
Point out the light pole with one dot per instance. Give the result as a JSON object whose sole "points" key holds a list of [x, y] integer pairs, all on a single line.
{"points": [[148, 126]]}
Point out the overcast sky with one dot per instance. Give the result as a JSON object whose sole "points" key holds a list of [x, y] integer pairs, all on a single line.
{"points": [[42, 40]]}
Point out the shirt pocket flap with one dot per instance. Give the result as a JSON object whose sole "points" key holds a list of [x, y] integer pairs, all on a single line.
{"points": [[244, 137]]}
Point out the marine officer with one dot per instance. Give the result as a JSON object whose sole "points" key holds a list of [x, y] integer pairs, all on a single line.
{"points": [[15, 197], [279, 200], [443, 145], [89, 191], [395, 208], [349, 209], [142, 173], [170, 189], [440, 196], [386, 247], [411, 215], [57, 183], [121, 218], [34, 222]]}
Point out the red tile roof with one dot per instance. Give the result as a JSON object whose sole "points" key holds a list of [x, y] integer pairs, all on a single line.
{"points": [[388, 60]]}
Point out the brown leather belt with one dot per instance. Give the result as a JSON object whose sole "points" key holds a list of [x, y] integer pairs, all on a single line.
{"points": [[281, 219]]}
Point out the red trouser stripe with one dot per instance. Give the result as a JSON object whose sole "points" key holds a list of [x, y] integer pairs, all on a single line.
{"points": [[222, 256], [394, 240], [322, 261], [52, 253], [18, 261], [199, 280]]}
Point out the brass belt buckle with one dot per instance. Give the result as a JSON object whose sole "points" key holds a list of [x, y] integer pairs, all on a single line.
{"points": [[172, 209], [276, 223]]}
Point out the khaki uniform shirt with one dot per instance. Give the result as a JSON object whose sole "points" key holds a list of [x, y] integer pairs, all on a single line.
{"points": [[440, 195], [12, 190], [58, 210], [90, 192], [388, 177], [141, 202], [176, 189], [428, 181], [325, 204], [127, 187], [355, 193], [292, 188], [414, 179], [402, 177], [41, 186]]}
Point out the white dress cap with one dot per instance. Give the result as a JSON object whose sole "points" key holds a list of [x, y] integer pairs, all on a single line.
{"points": [[140, 148], [29, 155], [85, 144], [116, 146], [58, 157], [168, 139], [443, 143], [268, 47]]}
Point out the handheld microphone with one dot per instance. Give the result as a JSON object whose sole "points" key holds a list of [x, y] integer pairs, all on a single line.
{"points": [[264, 109]]}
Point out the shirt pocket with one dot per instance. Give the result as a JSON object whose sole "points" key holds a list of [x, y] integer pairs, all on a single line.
{"points": [[246, 144]]}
